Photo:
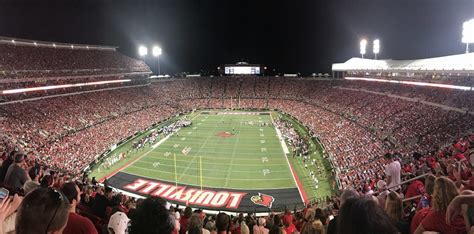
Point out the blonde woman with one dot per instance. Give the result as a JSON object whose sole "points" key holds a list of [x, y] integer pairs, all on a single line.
{"points": [[444, 192], [394, 209]]}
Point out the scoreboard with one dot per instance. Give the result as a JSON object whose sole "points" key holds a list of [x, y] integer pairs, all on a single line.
{"points": [[242, 70]]}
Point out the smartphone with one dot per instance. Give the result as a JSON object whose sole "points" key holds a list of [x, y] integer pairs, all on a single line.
{"points": [[3, 193]]}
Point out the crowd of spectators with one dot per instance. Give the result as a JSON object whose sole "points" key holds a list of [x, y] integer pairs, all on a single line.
{"points": [[19, 61], [44, 201], [62, 135], [351, 124], [377, 134]]}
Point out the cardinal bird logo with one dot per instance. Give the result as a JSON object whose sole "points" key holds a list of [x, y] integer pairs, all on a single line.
{"points": [[263, 200]]}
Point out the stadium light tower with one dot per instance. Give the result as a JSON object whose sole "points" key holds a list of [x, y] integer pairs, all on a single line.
{"points": [[468, 33], [363, 46], [156, 51], [142, 51], [376, 47]]}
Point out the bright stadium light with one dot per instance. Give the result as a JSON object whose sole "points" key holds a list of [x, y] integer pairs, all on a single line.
{"points": [[142, 51], [468, 33], [363, 46], [51, 87], [156, 51], [376, 47]]}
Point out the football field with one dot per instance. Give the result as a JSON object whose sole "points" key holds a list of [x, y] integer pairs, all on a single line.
{"points": [[231, 150]]}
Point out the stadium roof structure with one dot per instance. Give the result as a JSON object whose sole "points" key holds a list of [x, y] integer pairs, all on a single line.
{"points": [[462, 63], [26, 42]]}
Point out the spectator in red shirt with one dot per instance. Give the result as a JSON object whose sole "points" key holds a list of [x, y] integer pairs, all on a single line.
{"points": [[415, 188], [184, 221], [444, 192], [76, 223], [288, 217]]}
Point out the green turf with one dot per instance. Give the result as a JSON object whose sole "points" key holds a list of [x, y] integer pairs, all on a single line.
{"points": [[227, 162], [234, 162]]}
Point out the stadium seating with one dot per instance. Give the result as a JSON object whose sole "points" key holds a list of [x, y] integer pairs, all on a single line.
{"points": [[358, 122]]}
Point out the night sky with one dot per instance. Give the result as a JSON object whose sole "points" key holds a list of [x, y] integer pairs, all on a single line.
{"points": [[290, 36]]}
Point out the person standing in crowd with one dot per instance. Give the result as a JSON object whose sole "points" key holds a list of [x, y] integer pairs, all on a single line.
{"points": [[76, 223], [44, 210], [35, 173], [16, 176], [392, 171], [6, 164], [101, 202]]}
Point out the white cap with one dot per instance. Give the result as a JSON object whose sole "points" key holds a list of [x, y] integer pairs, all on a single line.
{"points": [[118, 222]]}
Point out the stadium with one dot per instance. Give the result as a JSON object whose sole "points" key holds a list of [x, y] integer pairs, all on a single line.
{"points": [[99, 140]]}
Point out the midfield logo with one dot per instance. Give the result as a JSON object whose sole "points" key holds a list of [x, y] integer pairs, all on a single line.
{"points": [[263, 200]]}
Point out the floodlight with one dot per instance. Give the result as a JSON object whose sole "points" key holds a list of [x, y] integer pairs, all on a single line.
{"points": [[142, 51], [156, 51], [35, 43], [54, 45], [363, 45], [13, 41], [468, 33], [72, 46], [376, 47]]}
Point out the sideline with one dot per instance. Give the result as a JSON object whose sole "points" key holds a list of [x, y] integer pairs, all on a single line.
{"points": [[299, 185]]}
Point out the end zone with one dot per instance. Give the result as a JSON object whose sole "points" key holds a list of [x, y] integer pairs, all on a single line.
{"points": [[231, 200]]}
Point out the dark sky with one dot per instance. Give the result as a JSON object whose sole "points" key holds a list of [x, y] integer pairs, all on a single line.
{"points": [[291, 36]]}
